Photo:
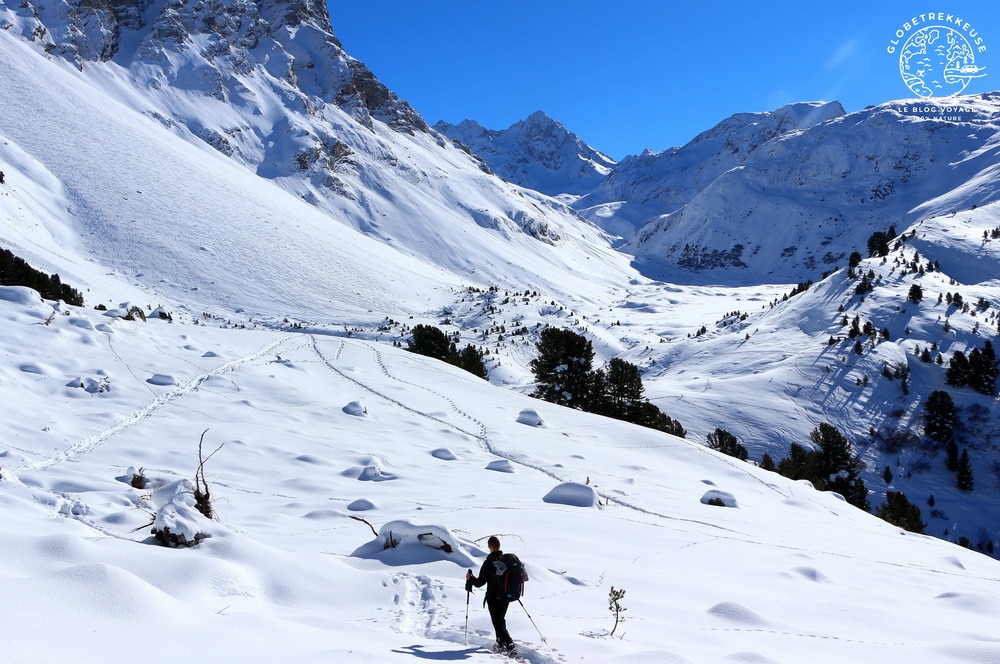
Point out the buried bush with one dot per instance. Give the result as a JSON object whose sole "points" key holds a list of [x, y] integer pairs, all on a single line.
{"points": [[184, 507]]}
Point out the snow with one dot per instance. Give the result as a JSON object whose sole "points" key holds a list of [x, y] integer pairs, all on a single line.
{"points": [[276, 309], [287, 573]]}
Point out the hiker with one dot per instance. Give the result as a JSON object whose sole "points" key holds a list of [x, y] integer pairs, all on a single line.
{"points": [[496, 604]]}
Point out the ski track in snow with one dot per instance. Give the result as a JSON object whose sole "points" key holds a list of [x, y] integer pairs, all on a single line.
{"points": [[90, 443]]}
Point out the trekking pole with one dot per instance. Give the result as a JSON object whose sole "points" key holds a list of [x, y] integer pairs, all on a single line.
{"points": [[532, 620], [468, 593]]}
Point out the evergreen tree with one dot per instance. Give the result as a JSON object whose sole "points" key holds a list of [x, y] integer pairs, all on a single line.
{"points": [[15, 271], [622, 388], [983, 369], [800, 464], [940, 416], [965, 480], [430, 341], [855, 330], [648, 415], [840, 468], [899, 511], [563, 368], [959, 372], [951, 456], [725, 442], [767, 462], [916, 294], [831, 467], [878, 244], [864, 286], [470, 358]]}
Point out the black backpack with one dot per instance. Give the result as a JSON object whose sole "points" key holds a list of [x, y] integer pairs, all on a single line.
{"points": [[510, 577]]}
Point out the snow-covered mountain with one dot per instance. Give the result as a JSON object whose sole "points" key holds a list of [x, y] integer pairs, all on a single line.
{"points": [[256, 102], [788, 195], [538, 153], [657, 183], [802, 202], [228, 161]]}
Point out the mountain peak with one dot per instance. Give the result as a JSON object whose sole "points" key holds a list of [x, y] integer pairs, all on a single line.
{"points": [[537, 152], [540, 117]]}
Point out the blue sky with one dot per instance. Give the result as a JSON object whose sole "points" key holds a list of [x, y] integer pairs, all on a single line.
{"points": [[636, 74]]}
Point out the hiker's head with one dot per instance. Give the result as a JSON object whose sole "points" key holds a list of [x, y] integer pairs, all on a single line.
{"points": [[493, 543]]}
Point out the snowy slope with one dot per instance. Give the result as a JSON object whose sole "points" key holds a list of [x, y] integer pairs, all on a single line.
{"points": [[311, 156], [303, 195], [318, 429], [538, 153], [804, 201]]}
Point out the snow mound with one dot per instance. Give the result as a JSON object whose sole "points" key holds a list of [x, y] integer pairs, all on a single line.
{"points": [[20, 295], [165, 380], [735, 612], [720, 498], [501, 466], [530, 417], [356, 408], [36, 368], [573, 494], [361, 505], [374, 474], [444, 454], [405, 543]]}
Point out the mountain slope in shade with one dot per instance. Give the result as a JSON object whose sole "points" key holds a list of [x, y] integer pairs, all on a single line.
{"points": [[537, 152]]}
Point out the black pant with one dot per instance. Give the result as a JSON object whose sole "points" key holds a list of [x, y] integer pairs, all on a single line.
{"points": [[498, 614]]}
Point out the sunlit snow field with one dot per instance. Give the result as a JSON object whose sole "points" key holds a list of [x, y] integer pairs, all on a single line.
{"points": [[316, 429]]}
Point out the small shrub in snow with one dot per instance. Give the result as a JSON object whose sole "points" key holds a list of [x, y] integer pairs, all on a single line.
{"points": [[202, 497], [134, 313], [615, 606]]}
